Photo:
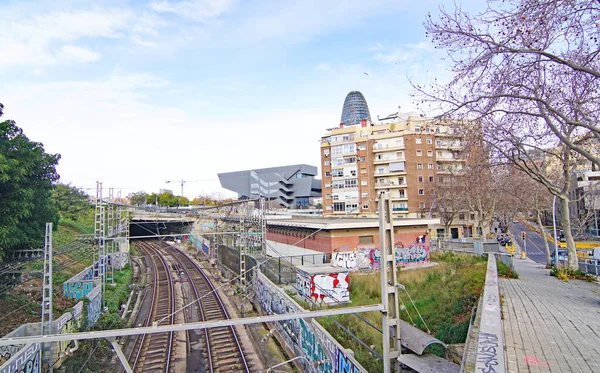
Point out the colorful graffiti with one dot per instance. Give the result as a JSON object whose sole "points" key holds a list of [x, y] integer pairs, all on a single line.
{"points": [[304, 338], [26, 360], [78, 290], [370, 258], [313, 350], [345, 365], [327, 288]]}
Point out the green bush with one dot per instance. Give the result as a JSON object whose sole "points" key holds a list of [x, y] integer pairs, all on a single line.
{"points": [[566, 274], [506, 271]]}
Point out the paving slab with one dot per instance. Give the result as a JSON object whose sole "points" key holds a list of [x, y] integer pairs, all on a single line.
{"points": [[549, 325]]}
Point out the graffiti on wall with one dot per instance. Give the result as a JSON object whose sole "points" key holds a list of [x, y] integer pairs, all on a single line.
{"points": [[345, 365], [94, 306], [370, 257], [78, 289], [327, 288], [25, 360], [416, 253], [118, 260], [307, 339], [313, 349]]}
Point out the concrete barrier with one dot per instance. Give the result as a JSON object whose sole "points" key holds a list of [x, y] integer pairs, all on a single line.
{"points": [[490, 340]]}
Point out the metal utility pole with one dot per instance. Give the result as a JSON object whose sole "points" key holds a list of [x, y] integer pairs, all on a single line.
{"points": [[554, 227], [390, 315], [110, 244], [100, 236], [47, 292]]}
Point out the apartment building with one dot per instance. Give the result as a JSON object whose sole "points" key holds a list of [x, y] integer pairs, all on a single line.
{"points": [[403, 155]]}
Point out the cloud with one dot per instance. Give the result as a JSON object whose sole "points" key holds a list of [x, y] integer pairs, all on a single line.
{"points": [[45, 38], [323, 67], [404, 53], [195, 10], [77, 54]]}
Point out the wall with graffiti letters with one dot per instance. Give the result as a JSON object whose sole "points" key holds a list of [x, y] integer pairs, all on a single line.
{"points": [[369, 258], [94, 307], [80, 285], [24, 360], [323, 288], [300, 337], [118, 260], [200, 243]]}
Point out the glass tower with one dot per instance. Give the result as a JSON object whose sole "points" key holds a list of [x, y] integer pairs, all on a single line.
{"points": [[355, 109]]}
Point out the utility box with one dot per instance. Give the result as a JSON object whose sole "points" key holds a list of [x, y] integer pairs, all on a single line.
{"points": [[323, 284]]}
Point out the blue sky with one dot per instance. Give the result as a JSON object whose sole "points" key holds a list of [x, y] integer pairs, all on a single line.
{"points": [[134, 93]]}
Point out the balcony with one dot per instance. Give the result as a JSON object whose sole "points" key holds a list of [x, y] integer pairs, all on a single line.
{"points": [[399, 197], [388, 160], [400, 209], [391, 185], [387, 147], [389, 173]]}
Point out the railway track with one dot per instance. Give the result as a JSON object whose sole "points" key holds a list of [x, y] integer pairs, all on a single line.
{"points": [[152, 352], [223, 350]]}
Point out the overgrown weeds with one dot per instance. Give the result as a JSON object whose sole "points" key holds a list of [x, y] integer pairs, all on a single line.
{"points": [[506, 271], [566, 274]]}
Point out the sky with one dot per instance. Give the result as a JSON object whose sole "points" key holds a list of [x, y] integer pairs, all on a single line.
{"points": [[135, 93]]}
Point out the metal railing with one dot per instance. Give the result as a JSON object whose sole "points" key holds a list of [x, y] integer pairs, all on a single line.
{"points": [[590, 268]]}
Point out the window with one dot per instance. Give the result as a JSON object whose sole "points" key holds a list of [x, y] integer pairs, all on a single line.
{"points": [[343, 149], [339, 206], [337, 173], [326, 152], [472, 216], [417, 140], [419, 152], [328, 196], [439, 153], [438, 142], [362, 147], [401, 194], [363, 170], [429, 141], [420, 179], [365, 195], [400, 154], [430, 153], [381, 180], [417, 128], [430, 166], [351, 207], [299, 175], [400, 180], [419, 166], [329, 208], [440, 179], [365, 240], [365, 206], [380, 170], [461, 216], [352, 172], [327, 173], [326, 163], [363, 182], [361, 159], [351, 183], [350, 160], [421, 192], [327, 185], [336, 197], [422, 205], [431, 179]]}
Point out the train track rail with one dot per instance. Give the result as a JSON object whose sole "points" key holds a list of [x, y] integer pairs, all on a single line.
{"points": [[152, 352], [223, 350]]}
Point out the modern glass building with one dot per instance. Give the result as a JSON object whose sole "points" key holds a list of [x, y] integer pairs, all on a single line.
{"points": [[355, 109]]}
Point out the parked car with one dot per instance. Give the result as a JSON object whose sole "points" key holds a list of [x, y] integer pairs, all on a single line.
{"points": [[563, 256]]}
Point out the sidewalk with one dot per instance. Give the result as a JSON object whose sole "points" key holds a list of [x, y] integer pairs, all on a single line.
{"points": [[550, 325]]}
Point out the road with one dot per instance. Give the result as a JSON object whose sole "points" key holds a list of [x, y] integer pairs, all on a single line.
{"points": [[535, 242]]}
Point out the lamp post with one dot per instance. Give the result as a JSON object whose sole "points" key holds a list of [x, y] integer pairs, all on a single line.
{"points": [[554, 226]]}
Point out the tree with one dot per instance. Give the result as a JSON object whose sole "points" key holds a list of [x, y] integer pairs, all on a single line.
{"points": [[71, 201], [26, 176], [139, 198], [152, 199], [528, 72]]}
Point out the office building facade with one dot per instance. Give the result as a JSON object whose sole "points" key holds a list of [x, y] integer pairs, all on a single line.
{"points": [[287, 186]]}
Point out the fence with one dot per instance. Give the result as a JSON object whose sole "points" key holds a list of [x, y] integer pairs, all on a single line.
{"points": [[469, 245], [282, 270], [507, 259], [590, 268]]}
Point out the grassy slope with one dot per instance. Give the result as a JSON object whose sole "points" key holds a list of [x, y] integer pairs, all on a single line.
{"points": [[444, 295]]}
